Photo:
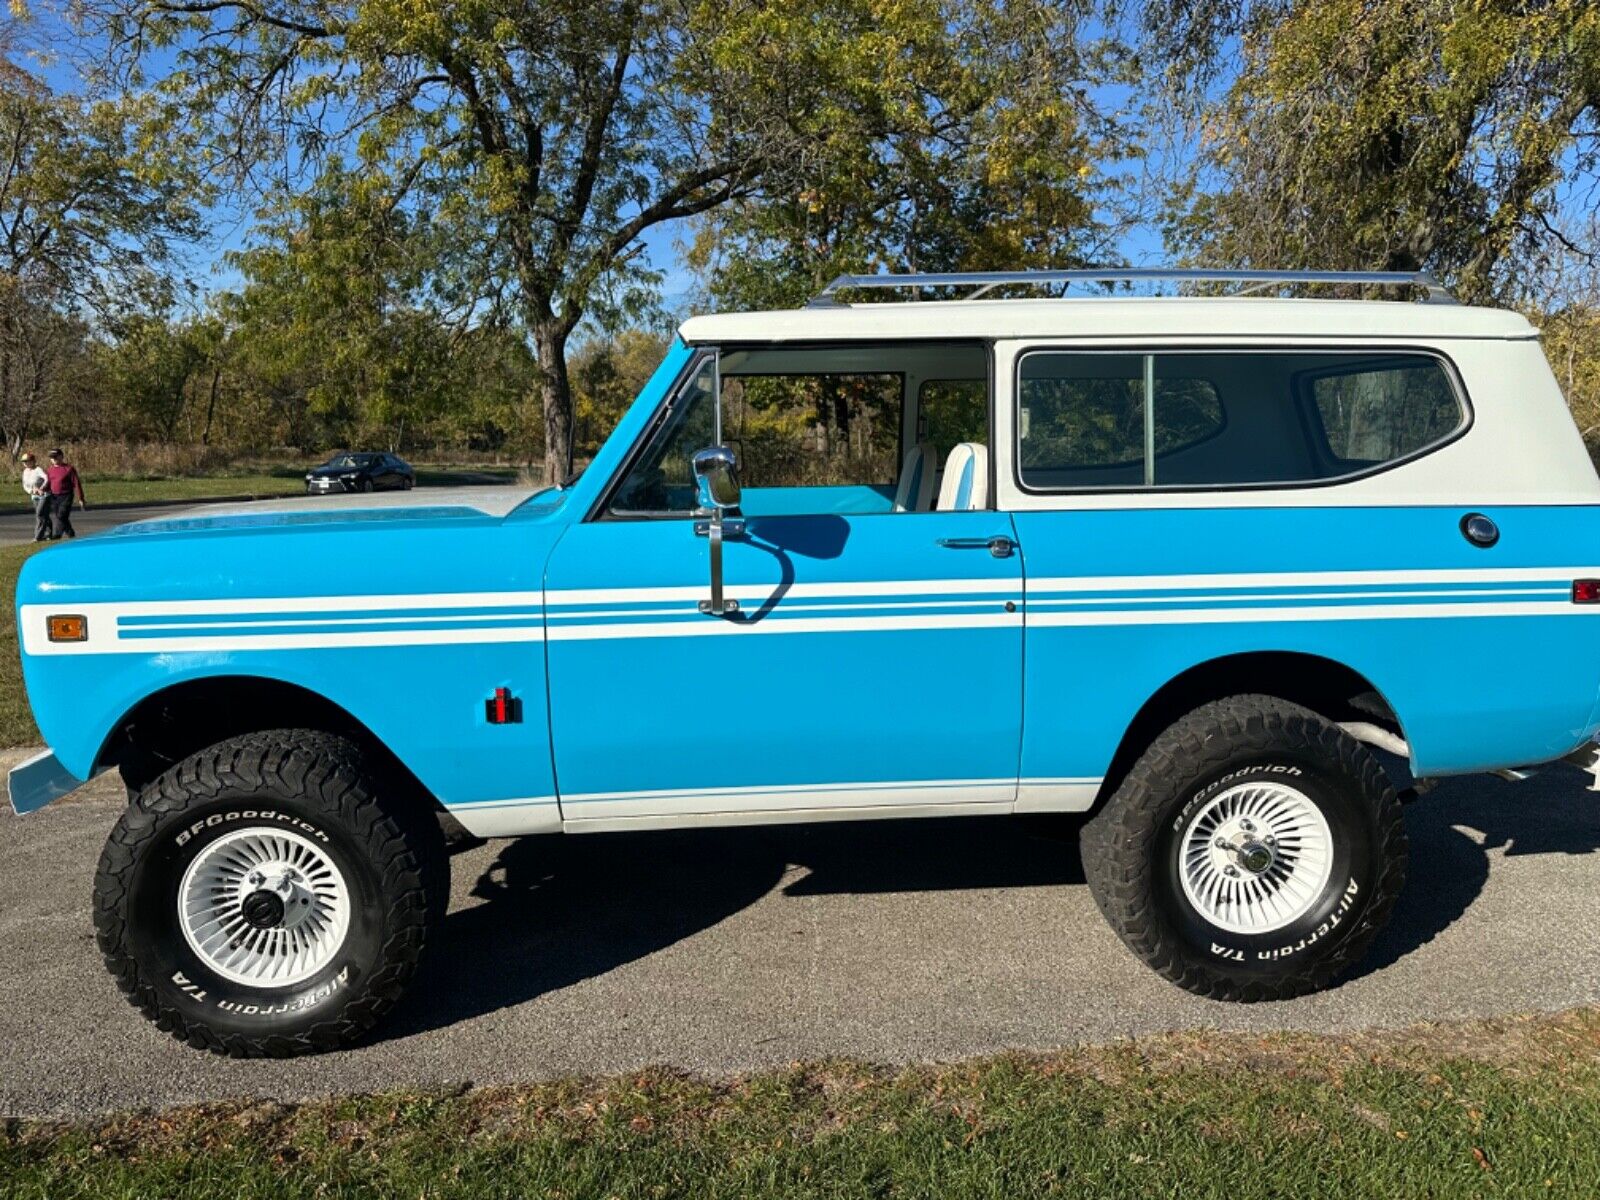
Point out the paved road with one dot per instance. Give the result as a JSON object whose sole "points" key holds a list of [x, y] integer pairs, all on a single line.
{"points": [[724, 950], [17, 526]]}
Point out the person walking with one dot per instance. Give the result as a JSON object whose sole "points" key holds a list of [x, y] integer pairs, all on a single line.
{"points": [[63, 481], [37, 484]]}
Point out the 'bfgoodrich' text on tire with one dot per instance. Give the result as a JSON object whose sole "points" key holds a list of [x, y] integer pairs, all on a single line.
{"points": [[312, 793], [1137, 848]]}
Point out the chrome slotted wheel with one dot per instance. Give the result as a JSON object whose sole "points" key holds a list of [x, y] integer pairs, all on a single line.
{"points": [[264, 907], [1256, 857]]}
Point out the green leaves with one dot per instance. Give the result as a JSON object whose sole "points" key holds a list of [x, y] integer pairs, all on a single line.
{"points": [[1424, 133], [943, 136]]}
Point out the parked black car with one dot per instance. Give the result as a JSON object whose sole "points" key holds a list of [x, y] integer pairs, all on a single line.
{"points": [[360, 473]]}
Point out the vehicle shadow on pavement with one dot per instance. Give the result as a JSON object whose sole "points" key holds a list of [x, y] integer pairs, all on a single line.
{"points": [[1453, 828], [560, 909], [554, 911]]}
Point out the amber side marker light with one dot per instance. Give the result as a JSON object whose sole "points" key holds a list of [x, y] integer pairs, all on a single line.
{"points": [[69, 629], [1586, 591]]}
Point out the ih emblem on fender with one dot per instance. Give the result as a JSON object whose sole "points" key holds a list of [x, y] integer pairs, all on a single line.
{"points": [[503, 708]]}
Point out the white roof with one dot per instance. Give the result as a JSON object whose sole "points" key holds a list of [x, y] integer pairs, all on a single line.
{"points": [[1111, 317]]}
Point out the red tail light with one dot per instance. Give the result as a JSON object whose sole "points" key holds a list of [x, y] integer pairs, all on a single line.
{"points": [[1586, 591]]}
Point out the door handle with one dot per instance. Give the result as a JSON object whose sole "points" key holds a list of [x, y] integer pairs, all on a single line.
{"points": [[1000, 546]]}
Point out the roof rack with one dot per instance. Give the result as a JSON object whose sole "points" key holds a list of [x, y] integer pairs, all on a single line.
{"points": [[985, 281]]}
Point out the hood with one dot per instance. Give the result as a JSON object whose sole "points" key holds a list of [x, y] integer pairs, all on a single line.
{"points": [[465, 503]]}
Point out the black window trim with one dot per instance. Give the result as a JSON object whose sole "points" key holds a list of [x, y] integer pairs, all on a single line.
{"points": [[1451, 373]]}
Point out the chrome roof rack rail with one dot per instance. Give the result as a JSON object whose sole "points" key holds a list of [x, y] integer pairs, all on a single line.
{"points": [[981, 282]]}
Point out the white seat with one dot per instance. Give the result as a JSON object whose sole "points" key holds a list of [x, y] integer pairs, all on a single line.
{"points": [[966, 478], [915, 493]]}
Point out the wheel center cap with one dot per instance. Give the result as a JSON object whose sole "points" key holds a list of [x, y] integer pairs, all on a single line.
{"points": [[1255, 857], [263, 909]]}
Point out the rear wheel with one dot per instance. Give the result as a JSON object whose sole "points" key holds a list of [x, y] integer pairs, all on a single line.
{"points": [[264, 897], [1252, 853]]}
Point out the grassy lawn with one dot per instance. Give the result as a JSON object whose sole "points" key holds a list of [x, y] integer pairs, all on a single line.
{"points": [[16, 722], [134, 491], [1504, 1108]]}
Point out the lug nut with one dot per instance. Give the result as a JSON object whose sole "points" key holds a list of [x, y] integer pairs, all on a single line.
{"points": [[1247, 825], [1230, 872], [1222, 844]]}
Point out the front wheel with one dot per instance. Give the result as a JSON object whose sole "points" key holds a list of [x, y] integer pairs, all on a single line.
{"points": [[264, 897], [1252, 853]]}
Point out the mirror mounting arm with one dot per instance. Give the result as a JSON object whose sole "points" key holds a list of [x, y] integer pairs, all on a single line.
{"points": [[717, 490], [716, 529]]}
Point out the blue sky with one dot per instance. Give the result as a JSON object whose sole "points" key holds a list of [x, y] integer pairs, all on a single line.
{"points": [[57, 51]]}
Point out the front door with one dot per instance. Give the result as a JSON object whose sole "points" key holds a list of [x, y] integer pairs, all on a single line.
{"points": [[874, 663]]}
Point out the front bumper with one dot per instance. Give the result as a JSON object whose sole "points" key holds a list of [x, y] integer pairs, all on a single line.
{"points": [[39, 780], [323, 487]]}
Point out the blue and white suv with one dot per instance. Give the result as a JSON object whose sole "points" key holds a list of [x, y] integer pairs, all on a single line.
{"points": [[1180, 564]]}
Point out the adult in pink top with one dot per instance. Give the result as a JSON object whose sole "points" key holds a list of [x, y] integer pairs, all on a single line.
{"points": [[62, 482]]}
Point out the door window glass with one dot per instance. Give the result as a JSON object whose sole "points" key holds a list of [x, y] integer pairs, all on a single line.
{"points": [[952, 411], [814, 430]]}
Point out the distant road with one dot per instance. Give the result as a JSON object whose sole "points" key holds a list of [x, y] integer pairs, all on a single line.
{"points": [[17, 527], [723, 950]]}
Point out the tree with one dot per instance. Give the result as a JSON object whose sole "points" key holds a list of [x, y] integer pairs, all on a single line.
{"points": [[87, 227], [984, 149], [607, 373], [1416, 134], [546, 137], [150, 366]]}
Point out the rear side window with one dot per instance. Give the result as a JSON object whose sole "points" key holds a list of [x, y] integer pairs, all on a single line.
{"points": [[1376, 414], [1088, 420]]}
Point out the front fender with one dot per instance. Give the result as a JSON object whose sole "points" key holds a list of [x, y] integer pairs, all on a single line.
{"points": [[407, 623]]}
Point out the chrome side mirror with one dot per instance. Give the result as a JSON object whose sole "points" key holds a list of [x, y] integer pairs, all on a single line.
{"points": [[716, 479], [716, 486]]}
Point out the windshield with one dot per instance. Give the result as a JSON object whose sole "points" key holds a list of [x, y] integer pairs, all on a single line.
{"points": [[349, 460]]}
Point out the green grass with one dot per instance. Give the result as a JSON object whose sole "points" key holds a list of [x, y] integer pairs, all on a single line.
{"points": [[16, 721], [1508, 1108], [150, 491]]}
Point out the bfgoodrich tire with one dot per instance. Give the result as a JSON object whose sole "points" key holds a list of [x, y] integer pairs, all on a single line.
{"points": [[263, 897], [1252, 852]]}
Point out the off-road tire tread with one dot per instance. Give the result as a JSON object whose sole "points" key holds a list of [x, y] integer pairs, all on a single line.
{"points": [[1119, 842], [326, 773]]}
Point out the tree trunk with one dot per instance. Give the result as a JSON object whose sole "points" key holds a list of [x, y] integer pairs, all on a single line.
{"points": [[211, 405], [555, 395]]}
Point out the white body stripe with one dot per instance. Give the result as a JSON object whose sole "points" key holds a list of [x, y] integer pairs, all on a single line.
{"points": [[856, 588], [1285, 579], [1317, 612], [718, 628], [291, 623]]}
